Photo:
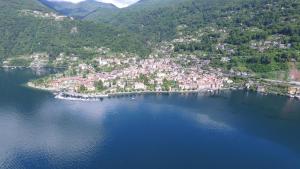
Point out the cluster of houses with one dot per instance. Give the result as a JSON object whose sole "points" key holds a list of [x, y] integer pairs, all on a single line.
{"points": [[264, 45], [115, 61], [40, 14], [128, 78], [62, 59], [225, 47], [39, 60]]}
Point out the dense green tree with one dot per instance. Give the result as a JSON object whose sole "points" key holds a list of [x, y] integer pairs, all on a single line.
{"points": [[99, 86]]}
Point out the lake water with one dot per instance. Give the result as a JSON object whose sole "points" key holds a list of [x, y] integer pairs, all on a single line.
{"points": [[226, 130]]}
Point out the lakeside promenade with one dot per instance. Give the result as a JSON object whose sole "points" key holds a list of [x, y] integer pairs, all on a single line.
{"points": [[96, 97], [99, 96]]}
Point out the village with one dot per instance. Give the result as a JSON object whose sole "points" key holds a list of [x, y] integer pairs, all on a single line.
{"points": [[45, 15], [103, 71], [136, 75]]}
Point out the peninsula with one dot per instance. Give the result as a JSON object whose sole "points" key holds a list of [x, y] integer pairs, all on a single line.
{"points": [[134, 75]]}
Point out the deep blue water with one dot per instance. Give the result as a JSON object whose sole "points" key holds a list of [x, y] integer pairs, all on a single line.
{"points": [[226, 130]]}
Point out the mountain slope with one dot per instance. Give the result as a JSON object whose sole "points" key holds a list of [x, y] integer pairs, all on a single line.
{"points": [[261, 36], [160, 22], [78, 10], [13, 5], [27, 26], [142, 6]]}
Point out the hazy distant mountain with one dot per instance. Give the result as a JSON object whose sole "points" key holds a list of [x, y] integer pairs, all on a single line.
{"points": [[78, 10], [155, 3], [100, 15]]}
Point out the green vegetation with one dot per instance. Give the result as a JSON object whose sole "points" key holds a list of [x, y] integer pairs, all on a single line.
{"points": [[277, 89], [20, 62], [25, 34], [99, 86], [298, 66], [161, 22], [168, 85], [82, 89], [257, 36], [144, 79]]}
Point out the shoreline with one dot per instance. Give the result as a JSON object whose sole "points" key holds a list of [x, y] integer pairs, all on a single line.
{"points": [[73, 96], [97, 97]]}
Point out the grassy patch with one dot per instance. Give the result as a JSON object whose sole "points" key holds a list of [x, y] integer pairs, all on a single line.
{"points": [[19, 62], [298, 65]]}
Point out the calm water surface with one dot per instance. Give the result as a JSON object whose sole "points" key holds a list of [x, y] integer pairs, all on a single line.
{"points": [[226, 130]]}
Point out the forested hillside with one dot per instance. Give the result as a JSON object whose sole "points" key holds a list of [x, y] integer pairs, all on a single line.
{"points": [[255, 35], [252, 35], [127, 15], [27, 26], [162, 18]]}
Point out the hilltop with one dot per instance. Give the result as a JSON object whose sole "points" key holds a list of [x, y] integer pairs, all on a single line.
{"points": [[78, 10]]}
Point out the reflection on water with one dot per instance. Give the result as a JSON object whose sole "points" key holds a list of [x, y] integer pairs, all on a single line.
{"points": [[222, 130], [209, 123], [57, 130]]}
